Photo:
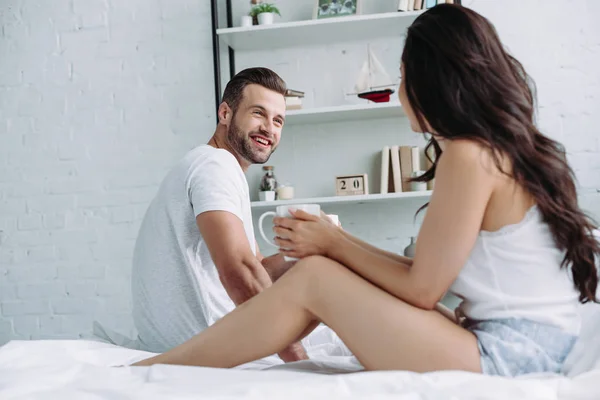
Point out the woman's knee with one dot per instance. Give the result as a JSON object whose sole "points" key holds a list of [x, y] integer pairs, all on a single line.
{"points": [[304, 271], [309, 263], [314, 274], [317, 267]]}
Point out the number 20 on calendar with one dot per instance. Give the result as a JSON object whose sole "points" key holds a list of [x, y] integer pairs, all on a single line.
{"points": [[350, 185]]}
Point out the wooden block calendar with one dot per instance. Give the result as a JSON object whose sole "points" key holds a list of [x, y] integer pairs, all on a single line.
{"points": [[351, 185]]}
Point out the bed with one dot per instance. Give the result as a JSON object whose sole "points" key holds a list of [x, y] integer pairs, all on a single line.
{"points": [[84, 369]]}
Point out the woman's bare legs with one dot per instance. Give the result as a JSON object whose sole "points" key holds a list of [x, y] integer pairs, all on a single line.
{"points": [[381, 330]]}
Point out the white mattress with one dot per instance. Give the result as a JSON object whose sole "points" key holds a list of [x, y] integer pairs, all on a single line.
{"points": [[82, 370]]}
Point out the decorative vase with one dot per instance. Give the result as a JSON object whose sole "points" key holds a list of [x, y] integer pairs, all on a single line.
{"points": [[265, 18], [268, 195], [409, 251]]}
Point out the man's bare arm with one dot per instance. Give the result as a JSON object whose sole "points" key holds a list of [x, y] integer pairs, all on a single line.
{"points": [[240, 271]]}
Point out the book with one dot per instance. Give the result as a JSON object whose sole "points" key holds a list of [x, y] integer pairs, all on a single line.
{"points": [[430, 3], [293, 103], [415, 158], [396, 169], [402, 5], [385, 166], [293, 93], [406, 166], [429, 164], [418, 5]]}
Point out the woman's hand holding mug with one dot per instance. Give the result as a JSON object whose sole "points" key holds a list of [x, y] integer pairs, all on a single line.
{"points": [[301, 230]]}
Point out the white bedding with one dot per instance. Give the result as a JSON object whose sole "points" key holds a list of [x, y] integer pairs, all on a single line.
{"points": [[81, 370]]}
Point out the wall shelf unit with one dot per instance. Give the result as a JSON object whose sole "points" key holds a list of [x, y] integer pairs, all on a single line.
{"points": [[343, 113], [380, 198], [312, 32]]}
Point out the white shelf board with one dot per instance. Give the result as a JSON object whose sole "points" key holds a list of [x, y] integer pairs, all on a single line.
{"points": [[360, 199], [318, 31], [343, 113]]}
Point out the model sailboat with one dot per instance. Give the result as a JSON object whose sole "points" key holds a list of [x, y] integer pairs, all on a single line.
{"points": [[373, 82]]}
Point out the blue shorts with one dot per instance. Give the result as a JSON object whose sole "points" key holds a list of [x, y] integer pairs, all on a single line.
{"points": [[511, 347]]}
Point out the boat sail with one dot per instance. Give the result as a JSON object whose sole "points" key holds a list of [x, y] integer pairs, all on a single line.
{"points": [[373, 81]]}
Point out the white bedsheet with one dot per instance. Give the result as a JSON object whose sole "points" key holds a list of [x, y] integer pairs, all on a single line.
{"points": [[81, 370]]}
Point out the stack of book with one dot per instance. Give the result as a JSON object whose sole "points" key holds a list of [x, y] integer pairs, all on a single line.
{"points": [[417, 5], [398, 163], [293, 99]]}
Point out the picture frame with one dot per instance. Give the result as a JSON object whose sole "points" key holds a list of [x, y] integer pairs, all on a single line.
{"points": [[336, 8]]}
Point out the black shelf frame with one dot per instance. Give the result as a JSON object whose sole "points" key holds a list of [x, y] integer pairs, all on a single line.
{"points": [[214, 5]]}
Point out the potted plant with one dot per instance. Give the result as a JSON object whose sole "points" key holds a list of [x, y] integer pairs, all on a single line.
{"points": [[265, 13], [266, 191]]}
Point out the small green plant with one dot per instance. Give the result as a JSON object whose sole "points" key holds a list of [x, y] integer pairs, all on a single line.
{"points": [[266, 186], [264, 8]]}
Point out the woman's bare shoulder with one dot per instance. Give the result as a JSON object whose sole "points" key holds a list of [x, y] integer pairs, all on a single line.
{"points": [[469, 154]]}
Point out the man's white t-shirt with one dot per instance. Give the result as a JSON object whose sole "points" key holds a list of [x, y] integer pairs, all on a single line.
{"points": [[176, 288]]}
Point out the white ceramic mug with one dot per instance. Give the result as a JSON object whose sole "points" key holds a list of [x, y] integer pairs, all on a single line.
{"points": [[283, 211], [334, 218]]}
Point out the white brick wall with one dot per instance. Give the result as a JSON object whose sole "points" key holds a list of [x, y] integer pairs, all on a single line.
{"points": [[99, 97]]}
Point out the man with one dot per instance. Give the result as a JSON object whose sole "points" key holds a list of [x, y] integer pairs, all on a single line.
{"points": [[196, 257]]}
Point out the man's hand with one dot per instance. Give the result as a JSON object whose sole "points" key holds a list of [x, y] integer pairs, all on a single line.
{"points": [[294, 352], [276, 266]]}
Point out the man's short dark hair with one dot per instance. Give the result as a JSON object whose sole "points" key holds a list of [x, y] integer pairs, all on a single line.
{"points": [[234, 91]]}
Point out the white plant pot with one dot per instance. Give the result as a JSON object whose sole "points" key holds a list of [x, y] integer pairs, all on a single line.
{"points": [[267, 195], [265, 18], [245, 21]]}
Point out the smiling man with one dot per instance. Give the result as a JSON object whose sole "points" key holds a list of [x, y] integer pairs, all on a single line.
{"points": [[196, 257]]}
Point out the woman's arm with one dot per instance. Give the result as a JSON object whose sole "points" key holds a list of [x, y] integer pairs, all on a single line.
{"points": [[388, 273], [377, 250]]}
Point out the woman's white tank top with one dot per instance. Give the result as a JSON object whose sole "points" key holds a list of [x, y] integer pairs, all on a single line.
{"points": [[515, 273]]}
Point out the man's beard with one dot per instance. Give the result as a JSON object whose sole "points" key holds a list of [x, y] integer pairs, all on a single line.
{"points": [[243, 145]]}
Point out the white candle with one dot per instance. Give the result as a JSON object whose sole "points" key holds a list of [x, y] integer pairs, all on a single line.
{"points": [[285, 192]]}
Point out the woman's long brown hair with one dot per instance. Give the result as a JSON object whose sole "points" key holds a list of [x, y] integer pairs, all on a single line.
{"points": [[459, 79]]}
